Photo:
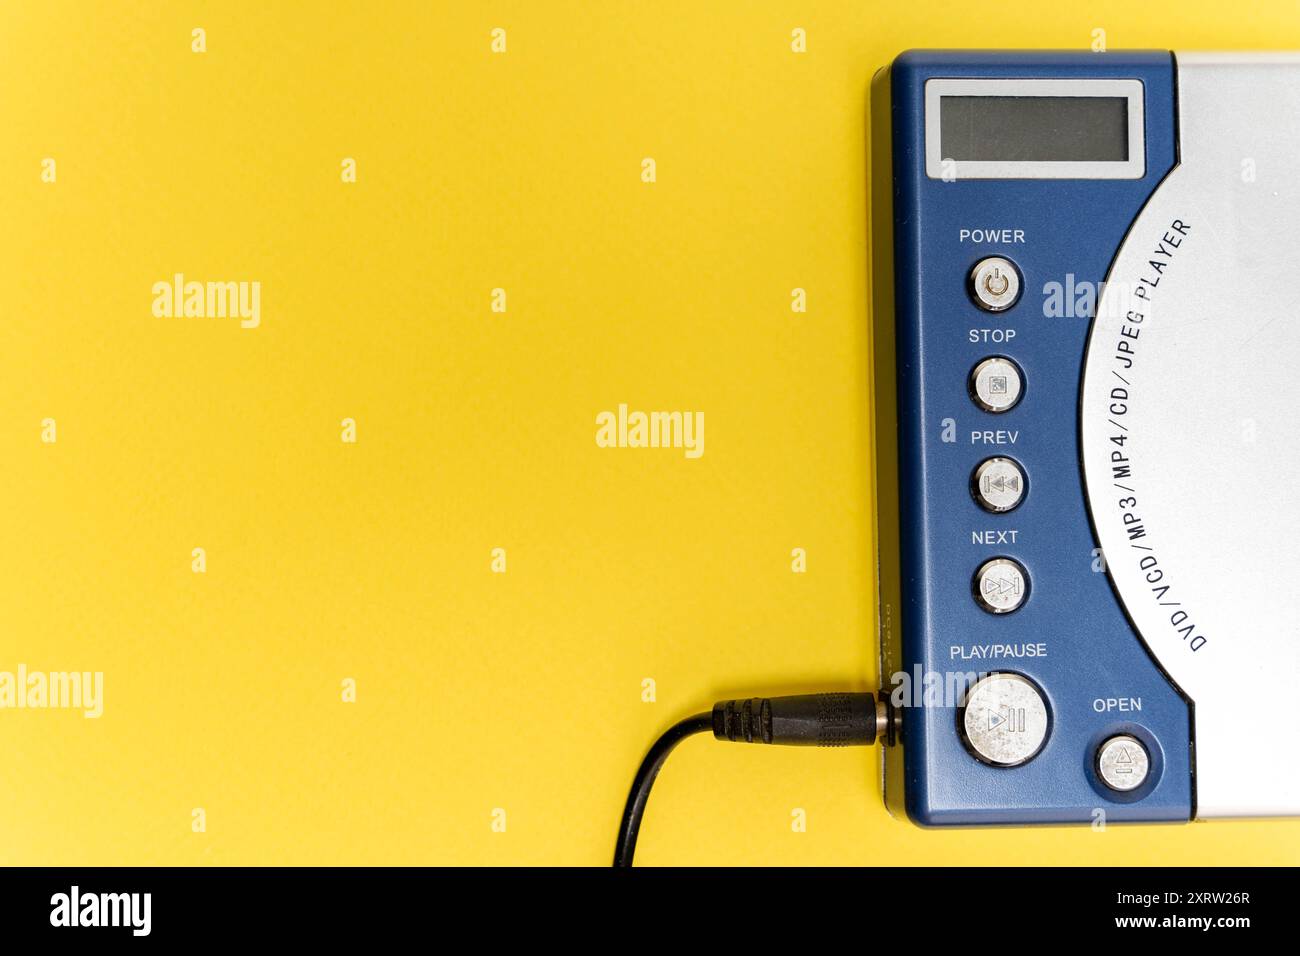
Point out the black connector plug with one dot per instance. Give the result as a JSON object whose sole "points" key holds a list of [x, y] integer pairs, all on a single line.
{"points": [[808, 720]]}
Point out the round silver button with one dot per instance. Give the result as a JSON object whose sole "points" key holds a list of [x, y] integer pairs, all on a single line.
{"points": [[996, 384], [1001, 585], [1123, 763], [998, 484], [995, 284], [1004, 720]]}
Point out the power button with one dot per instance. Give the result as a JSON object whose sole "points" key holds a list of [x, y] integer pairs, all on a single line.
{"points": [[995, 284]]}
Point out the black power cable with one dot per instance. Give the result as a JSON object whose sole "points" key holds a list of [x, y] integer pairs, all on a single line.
{"points": [[817, 720], [645, 778]]}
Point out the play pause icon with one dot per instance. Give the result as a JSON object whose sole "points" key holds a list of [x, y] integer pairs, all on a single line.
{"points": [[1012, 720]]}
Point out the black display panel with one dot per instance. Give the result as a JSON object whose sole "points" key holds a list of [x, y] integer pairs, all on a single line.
{"points": [[1018, 129]]}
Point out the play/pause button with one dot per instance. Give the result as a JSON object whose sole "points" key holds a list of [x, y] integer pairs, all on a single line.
{"points": [[1003, 719], [1001, 585]]}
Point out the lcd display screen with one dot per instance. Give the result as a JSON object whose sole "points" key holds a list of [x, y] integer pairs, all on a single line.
{"points": [[1034, 128]]}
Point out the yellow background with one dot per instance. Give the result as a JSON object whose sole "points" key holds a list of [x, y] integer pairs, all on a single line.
{"points": [[326, 560]]}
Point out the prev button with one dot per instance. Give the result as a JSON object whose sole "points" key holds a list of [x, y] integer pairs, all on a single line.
{"points": [[998, 484]]}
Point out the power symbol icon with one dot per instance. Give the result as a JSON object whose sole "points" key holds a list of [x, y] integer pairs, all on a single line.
{"points": [[995, 284]]}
